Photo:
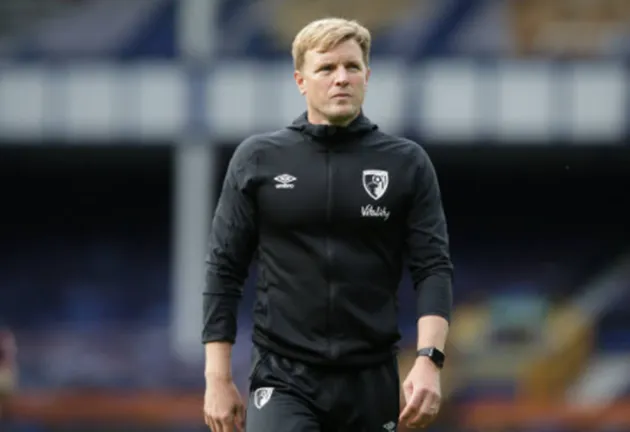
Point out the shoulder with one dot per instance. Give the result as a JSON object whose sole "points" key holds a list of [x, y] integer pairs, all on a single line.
{"points": [[261, 142], [253, 146], [411, 150]]}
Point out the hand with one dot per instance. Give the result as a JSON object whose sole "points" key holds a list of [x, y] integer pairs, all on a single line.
{"points": [[223, 407], [422, 393]]}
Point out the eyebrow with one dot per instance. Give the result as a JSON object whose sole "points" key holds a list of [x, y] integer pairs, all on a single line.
{"points": [[331, 63]]}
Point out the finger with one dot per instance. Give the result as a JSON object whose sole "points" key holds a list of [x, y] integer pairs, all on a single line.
{"points": [[208, 420], [406, 413], [240, 426], [212, 424], [216, 424], [418, 402], [226, 424], [412, 406], [428, 411], [421, 419], [239, 419]]}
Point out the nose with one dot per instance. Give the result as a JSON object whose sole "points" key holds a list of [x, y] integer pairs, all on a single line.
{"points": [[341, 77]]}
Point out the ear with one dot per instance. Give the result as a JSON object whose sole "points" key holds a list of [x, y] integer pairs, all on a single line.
{"points": [[299, 80], [368, 73]]}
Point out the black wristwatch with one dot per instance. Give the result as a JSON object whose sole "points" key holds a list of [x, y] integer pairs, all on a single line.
{"points": [[436, 356]]}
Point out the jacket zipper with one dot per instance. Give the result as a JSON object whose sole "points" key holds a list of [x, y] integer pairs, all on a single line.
{"points": [[329, 196]]}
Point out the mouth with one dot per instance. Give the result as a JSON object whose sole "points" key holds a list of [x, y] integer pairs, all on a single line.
{"points": [[341, 96]]}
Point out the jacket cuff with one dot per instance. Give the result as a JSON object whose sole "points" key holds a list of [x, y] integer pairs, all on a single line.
{"points": [[435, 296], [219, 318]]}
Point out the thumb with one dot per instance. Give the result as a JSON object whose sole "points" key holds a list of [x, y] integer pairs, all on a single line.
{"points": [[412, 406], [239, 421], [239, 417]]}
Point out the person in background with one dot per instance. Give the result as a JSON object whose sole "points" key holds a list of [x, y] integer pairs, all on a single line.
{"points": [[8, 371]]}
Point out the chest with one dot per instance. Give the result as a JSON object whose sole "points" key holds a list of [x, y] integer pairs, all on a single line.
{"points": [[353, 190]]}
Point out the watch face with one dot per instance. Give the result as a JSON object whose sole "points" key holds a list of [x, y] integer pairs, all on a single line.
{"points": [[434, 354], [437, 356]]}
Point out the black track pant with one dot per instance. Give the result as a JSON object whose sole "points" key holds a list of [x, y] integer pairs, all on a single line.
{"points": [[289, 396]]}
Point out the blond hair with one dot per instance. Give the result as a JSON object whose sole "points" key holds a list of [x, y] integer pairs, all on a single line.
{"points": [[325, 34]]}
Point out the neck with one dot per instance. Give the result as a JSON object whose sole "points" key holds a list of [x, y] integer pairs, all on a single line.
{"points": [[316, 118]]}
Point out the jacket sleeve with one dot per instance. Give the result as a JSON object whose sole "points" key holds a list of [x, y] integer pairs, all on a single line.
{"points": [[233, 240], [430, 264]]}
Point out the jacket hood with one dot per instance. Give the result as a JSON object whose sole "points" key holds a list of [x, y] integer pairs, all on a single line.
{"points": [[359, 126]]}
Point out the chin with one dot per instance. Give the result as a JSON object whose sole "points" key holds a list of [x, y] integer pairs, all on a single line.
{"points": [[342, 113]]}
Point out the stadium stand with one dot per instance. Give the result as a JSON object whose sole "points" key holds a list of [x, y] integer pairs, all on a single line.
{"points": [[614, 326], [571, 28], [85, 271], [290, 16], [20, 15], [263, 30], [93, 29]]}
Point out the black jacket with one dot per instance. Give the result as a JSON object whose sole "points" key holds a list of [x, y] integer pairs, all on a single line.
{"points": [[332, 213]]}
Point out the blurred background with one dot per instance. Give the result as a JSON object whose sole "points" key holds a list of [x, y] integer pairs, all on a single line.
{"points": [[117, 119]]}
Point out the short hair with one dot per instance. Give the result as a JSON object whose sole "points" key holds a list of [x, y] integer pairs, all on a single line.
{"points": [[325, 34]]}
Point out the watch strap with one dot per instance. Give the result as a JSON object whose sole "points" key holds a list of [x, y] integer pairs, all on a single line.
{"points": [[434, 354]]}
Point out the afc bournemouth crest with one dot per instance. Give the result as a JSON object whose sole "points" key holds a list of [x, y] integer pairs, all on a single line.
{"points": [[375, 182], [262, 396]]}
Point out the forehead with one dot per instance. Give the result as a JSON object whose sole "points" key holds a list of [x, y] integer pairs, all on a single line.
{"points": [[345, 51]]}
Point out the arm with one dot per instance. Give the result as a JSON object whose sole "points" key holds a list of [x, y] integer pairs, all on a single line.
{"points": [[432, 332], [233, 240], [429, 257], [431, 271]]}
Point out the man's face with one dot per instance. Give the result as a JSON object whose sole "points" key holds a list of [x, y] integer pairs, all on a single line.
{"points": [[334, 83]]}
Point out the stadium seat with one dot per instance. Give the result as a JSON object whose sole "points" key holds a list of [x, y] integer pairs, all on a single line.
{"points": [[569, 27], [378, 15], [15, 14]]}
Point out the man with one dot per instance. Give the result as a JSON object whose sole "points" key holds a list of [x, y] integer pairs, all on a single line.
{"points": [[331, 205]]}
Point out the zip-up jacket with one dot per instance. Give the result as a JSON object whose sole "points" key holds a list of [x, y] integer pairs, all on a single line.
{"points": [[332, 215]]}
